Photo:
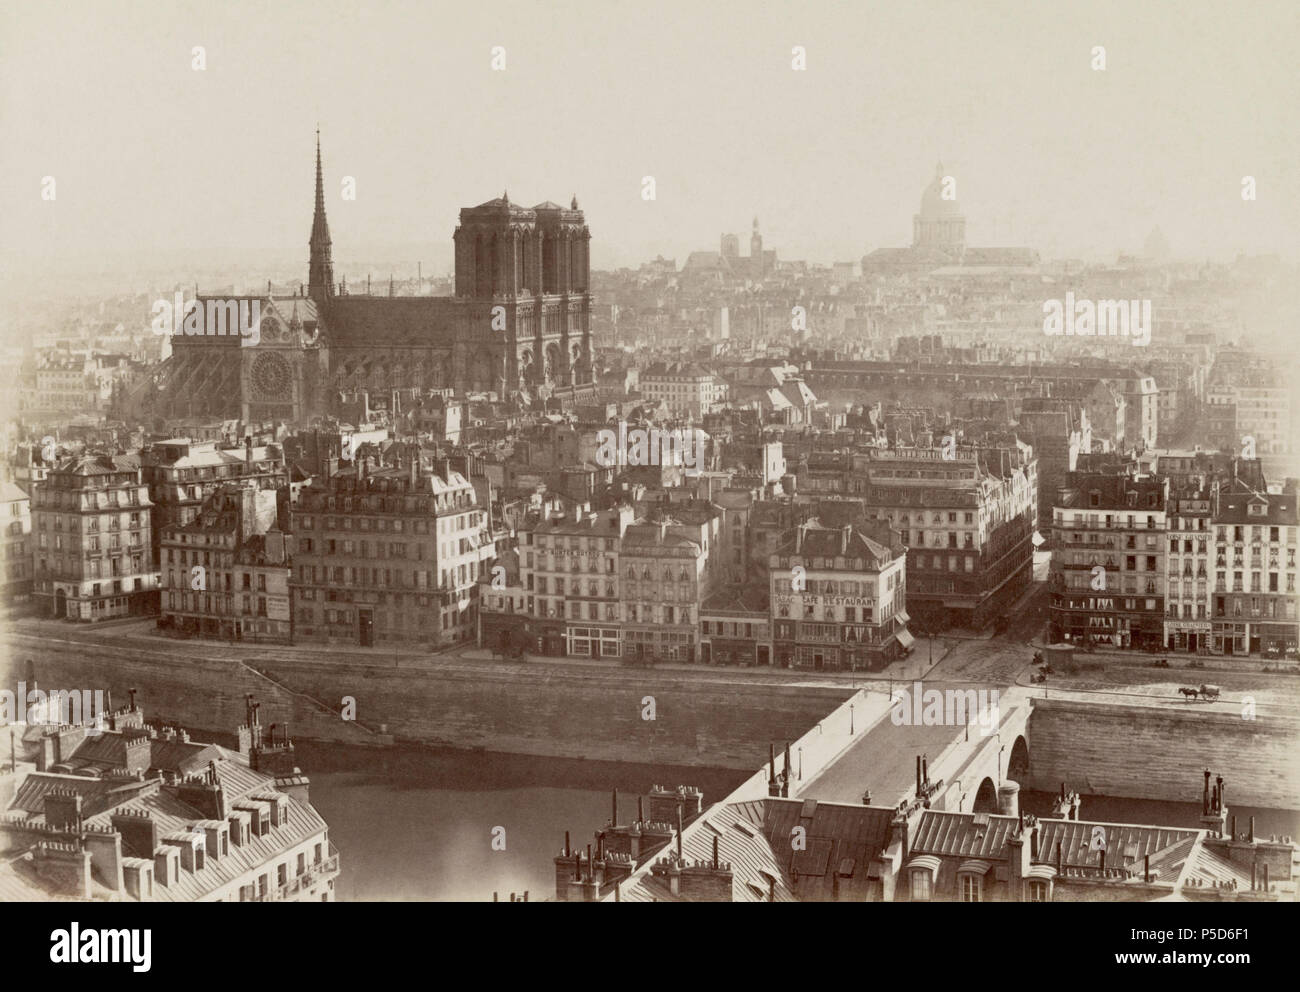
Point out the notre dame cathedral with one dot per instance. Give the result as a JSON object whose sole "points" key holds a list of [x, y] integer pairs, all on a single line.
{"points": [[518, 325]]}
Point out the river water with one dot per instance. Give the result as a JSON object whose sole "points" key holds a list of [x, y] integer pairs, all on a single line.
{"points": [[417, 823]]}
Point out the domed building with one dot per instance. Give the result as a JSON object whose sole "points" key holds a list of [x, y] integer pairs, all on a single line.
{"points": [[939, 245], [940, 223]]}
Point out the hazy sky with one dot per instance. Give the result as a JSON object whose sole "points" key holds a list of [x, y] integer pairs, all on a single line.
{"points": [[157, 164]]}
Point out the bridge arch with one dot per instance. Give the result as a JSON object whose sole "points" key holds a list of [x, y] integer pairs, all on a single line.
{"points": [[986, 797], [1018, 761]]}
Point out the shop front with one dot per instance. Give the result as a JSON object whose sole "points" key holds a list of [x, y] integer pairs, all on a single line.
{"points": [[593, 642], [1230, 639], [1188, 636], [1278, 640]]}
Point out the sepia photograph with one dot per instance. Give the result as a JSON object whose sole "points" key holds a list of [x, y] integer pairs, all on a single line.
{"points": [[769, 452]]}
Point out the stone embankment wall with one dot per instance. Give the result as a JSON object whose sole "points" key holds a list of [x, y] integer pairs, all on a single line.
{"points": [[1159, 753], [539, 709]]}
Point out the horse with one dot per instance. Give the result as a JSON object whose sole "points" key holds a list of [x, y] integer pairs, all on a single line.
{"points": [[1189, 693]]}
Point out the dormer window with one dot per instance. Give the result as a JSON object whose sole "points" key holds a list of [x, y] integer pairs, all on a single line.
{"points": [[920, 885], [971, 887], [1039, 890]]}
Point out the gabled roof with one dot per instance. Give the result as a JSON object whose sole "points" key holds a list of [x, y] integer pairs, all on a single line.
{"points": [[755, 838]]}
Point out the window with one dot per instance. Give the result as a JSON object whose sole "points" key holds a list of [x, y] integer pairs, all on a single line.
{"points": [[920, 885], [971, 887], [1038, 891]]}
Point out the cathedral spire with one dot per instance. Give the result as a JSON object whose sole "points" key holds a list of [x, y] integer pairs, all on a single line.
{"points": [[320, 277]]}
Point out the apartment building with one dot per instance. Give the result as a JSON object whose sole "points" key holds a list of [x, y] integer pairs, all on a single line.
{"points": [[687, 389], [1254, 595], [16, 519], [91, 524], [182, 473], [1107, 578], [570, 571], [1263, 397], [1188, 567], [736, 626], [389, 556], [966, 515], [226, 572], [57, 385], [130, 814], [838, 597], [663, 565]]}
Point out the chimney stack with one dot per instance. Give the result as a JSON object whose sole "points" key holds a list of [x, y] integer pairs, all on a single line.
{"points": [[613, 820], [918, 776], [679, 833]]}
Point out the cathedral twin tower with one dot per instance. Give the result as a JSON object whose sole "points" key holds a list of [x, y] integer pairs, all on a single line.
{"points": [[520, 319], [518, 325]]}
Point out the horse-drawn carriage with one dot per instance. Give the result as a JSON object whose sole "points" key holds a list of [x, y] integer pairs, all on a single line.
{"points": [[1207, 692]]}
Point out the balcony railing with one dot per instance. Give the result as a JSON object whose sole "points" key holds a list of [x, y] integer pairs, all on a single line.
{"points": [[311, 875]]}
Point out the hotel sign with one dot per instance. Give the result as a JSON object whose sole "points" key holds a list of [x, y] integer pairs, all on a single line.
{"points": [[1194, 626]]}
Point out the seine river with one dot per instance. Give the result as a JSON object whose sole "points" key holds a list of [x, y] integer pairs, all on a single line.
{"points": [[417, 823]]}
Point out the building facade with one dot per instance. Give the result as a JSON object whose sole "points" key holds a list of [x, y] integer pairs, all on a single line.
{"points": [[1107, 577], [182, 474], [688, 390], [16, 519], [966, 515], [226, 572], [389, 555], [1188, 567], [663, 567], [838, 598], [570, 570], [91, 521], [1254, 599]]}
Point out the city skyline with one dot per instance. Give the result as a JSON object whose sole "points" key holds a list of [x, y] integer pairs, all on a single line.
{"points": [[830, 453], [726, 137]]}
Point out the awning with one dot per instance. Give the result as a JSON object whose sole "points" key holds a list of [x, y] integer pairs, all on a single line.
{"points": [[905, 638], [902, 615]]}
